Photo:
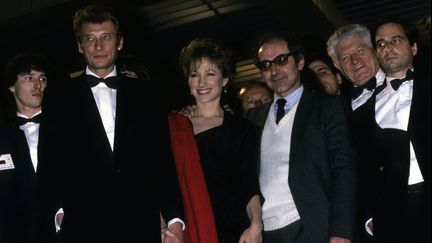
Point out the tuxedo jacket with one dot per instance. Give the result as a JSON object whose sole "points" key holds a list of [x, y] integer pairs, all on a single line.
{"points": [[107, 196], [18, 198], [386, 159], [322, 169]]}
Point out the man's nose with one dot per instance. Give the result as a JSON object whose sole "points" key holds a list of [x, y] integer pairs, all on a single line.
{"points": [[99, 44]]}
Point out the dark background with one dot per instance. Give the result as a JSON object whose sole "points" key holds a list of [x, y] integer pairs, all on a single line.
{"points": [[157, 30]]}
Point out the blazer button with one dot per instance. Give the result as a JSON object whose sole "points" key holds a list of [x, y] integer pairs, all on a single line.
{"points": [[118, 171]]}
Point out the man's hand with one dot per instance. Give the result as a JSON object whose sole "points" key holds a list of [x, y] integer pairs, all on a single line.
{"points": [[188, 111], [172, 234], [252, 234], [336, 239]]}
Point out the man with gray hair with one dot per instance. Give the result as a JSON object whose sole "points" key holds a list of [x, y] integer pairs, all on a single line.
{"points": [[351, 50]]}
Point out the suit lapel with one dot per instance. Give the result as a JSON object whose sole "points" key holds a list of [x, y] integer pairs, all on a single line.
{"points": [[90, 112], [299, 125]]}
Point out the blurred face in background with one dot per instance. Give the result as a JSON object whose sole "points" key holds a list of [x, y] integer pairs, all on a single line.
{"points": [[329, 80], [255, 96]]}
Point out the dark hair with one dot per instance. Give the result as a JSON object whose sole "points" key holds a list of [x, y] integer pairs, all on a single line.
{"points": [[293, 44], [22, 63], [320, 56], [210, 49], [410, 30], [93, 14]]}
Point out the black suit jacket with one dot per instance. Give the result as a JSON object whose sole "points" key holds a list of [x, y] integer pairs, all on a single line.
{"points": [[18, 203], [107, 196], [322, 172], [386, 171]]}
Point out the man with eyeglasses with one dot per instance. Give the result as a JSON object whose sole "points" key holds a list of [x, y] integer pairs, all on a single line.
{"points": [[307, 165], [112, 172], [22, 91]]}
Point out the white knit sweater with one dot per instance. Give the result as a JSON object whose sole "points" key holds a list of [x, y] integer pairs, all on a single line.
{"points": [[279, 208]]}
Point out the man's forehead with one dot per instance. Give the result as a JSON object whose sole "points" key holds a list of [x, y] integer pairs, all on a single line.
{"points": [[273, 49]]}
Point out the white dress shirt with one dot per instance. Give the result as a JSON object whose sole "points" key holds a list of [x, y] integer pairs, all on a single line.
{"points": [[392, 109], [366, 94], [105, 98], [31, 131]]}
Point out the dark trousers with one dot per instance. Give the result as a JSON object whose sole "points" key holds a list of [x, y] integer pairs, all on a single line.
{"points": [[292, 233], [411, 224]]}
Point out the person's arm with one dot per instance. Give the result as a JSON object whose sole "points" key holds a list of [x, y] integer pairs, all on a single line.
{"points": [[342, 162], [254, 232]]}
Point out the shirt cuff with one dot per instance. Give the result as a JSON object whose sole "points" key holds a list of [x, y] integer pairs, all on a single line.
{"points": [[172, 221], [367, 228], [57, 224]]}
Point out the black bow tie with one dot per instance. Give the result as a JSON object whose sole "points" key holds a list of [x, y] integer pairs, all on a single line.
{"points": [[357, 91], [22, 120], [395, 83], [111, 82]]}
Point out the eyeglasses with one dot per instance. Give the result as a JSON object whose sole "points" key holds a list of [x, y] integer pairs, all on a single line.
{"points": [[279, 60]]}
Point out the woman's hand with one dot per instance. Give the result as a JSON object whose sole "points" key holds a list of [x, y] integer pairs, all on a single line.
{"points": [[173, 233]]}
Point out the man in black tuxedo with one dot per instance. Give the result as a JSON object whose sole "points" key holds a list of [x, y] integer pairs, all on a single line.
{"points": [[350, 47], [23, 88], [110, 169], [400, 113], [307, 164]]}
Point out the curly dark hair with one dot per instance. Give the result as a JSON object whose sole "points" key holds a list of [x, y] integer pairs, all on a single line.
{"points": [[210, 49]]}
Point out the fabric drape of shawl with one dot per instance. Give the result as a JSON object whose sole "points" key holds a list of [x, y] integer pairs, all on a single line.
{"points": [[200, 222]]}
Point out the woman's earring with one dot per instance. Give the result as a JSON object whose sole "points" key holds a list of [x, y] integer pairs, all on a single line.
{"points": [[224, 90]]}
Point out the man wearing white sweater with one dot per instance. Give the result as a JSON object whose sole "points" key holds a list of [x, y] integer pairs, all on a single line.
{"points": [[307, 164]]}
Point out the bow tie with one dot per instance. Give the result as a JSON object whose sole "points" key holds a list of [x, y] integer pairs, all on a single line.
{"points": [[22, 120], [395, 83], [357, 91], [111, 82]]}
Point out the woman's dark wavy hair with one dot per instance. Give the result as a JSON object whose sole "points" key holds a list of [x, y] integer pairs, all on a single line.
{"points": [[211, 49], [293, 43]]}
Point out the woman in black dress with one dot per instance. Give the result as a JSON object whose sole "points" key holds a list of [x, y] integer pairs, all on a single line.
{"points": [[227, 144]]}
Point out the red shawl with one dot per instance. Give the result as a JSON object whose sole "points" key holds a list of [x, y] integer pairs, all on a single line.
{"points": [[200, 223]]}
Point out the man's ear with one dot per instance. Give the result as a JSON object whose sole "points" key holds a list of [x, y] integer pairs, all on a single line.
{"points": [[414, 49], [12, 88], [120, 44], [339, 78], [336, 64], [80, 49], [301, 63]]}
